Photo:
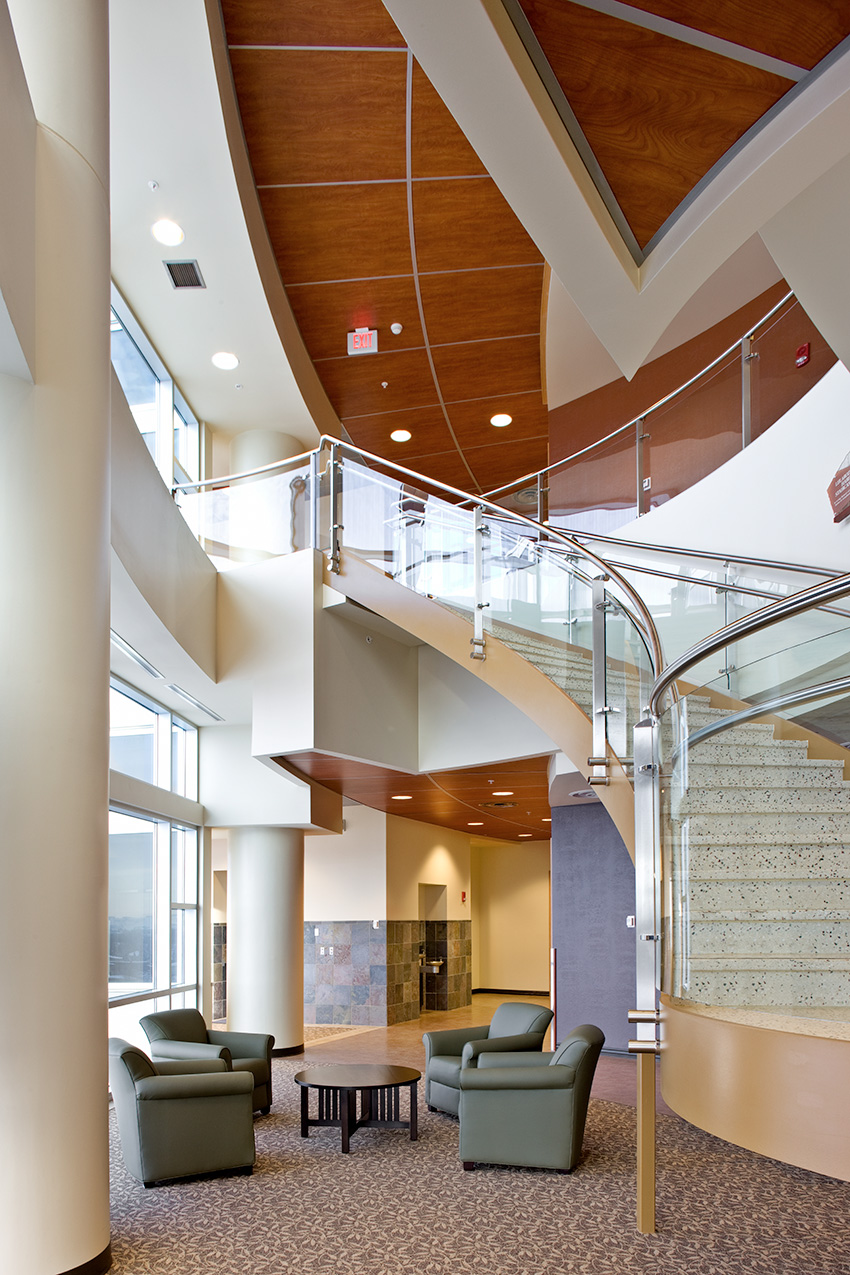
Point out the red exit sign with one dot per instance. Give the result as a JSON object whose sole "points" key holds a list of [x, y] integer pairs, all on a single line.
{"points": [[363, 341]]}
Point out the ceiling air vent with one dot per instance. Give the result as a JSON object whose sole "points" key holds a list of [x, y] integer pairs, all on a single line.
{"points": [[184, 274], [497, 805]]}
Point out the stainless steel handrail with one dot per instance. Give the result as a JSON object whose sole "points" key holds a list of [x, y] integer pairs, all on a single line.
{"points": [[538, 473], [646, 546], [778, 702], [783, 609]]}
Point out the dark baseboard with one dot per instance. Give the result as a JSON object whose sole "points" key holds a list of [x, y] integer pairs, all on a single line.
{"points": [[283, 1053], [95, 1265], [508, 991]]}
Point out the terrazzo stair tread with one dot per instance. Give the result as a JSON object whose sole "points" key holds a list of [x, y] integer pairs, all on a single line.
{"points": [[774, 898], [777, 829], [801, 773], [771, 861], [769, 940], [775, 752], [766, 799]]}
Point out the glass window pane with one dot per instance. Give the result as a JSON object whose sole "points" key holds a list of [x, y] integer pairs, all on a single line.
{"points": [[184, 865], [131, 903], [138, 381], [184, 760], [132, 737], [184, 946]]}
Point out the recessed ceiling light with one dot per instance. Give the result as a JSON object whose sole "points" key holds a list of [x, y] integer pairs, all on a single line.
{"points": [[401, 435], [500, 420], [167, 232], [225, 360], [546, 820], [503, 794], [526, 834], [402, 799], [476, 823]]}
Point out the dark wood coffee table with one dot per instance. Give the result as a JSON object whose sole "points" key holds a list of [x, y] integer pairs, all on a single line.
{"points": [[337, 1087]]}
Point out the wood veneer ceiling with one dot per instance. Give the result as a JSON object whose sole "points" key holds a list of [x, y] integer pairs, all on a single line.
{"points": [[453, 799], [379, 211]]}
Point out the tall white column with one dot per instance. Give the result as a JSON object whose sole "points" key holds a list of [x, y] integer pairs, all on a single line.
{"points": [[265, 933], [54, 666]]}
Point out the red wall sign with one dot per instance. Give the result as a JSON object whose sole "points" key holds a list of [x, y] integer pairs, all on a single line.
{"points": [[839, 491]]}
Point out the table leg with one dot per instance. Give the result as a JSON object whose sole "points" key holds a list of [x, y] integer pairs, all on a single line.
{"points": [[414, 1112], [304, 1112], [347, 1115]]}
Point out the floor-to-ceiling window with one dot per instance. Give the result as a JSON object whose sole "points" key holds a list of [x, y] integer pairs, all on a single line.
{"points": [[154, 863]]}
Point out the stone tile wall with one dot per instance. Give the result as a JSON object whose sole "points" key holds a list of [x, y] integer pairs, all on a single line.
{"points": [[219, 971], [404, 940], [450, 941], [346, 985]]}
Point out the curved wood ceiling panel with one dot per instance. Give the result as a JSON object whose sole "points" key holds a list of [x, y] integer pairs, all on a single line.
{"points": [[473, 305], [360, 100], [322, 23], [509, 366], [327, 311], [438, 147], [658, 113], [456, 799], [338, 232], [781, 28], [467, 225]]}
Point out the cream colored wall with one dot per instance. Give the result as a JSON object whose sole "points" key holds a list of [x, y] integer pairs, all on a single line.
{"points": [[510, 915], [421, 853], [345, 877]]}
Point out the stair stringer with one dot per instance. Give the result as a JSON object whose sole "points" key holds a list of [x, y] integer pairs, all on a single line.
{"points": [[507, 672]]}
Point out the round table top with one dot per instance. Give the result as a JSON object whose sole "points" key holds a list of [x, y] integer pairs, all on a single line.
{"points": [[356, 1076]]}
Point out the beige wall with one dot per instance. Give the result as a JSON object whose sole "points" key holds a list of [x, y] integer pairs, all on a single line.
{"points": [[420, 853], [510, 915], [345, 877]]}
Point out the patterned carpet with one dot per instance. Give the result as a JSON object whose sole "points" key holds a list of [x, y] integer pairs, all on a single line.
{"points": [[393, 1207]]}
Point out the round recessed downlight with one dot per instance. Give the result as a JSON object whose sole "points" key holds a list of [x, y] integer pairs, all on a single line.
{"points": [[167, 232], [526, 834], [500, 420], [402, 798], [476, 823], [225, 360], [401, 435], [503, 794]]}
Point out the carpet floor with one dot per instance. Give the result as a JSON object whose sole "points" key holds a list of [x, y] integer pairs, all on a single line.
{"points": [[393, 1207]]}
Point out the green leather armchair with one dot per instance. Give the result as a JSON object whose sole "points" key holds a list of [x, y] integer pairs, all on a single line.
{"points": [[180, 1118], [182, 1033], [515, 1025], [518, 1108]]}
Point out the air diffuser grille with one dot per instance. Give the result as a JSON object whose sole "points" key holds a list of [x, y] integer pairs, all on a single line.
{"points": [[185, 274]]}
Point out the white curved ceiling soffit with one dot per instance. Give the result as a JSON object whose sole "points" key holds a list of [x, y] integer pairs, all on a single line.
{"points": [[473, 55], [167, 128]]}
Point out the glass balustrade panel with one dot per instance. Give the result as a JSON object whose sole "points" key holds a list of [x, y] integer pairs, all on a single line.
{"points": [[251, 519], [756, 834], [597, 492], [790, 357]]}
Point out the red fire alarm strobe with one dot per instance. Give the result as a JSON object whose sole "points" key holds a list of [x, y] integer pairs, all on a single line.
{"points": [[803, 354], [363, 341]]}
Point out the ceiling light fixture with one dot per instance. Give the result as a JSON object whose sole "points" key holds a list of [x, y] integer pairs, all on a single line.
{"points": [[500, 420], [167, 232], [503, 794], [476, 823], [402, 799], [401, 435], [526, 834], [225, 360], [196, 703], [133, 654]]}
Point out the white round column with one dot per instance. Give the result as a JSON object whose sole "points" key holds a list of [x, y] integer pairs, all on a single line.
{"points": [[265, 934], [54, 666]]}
